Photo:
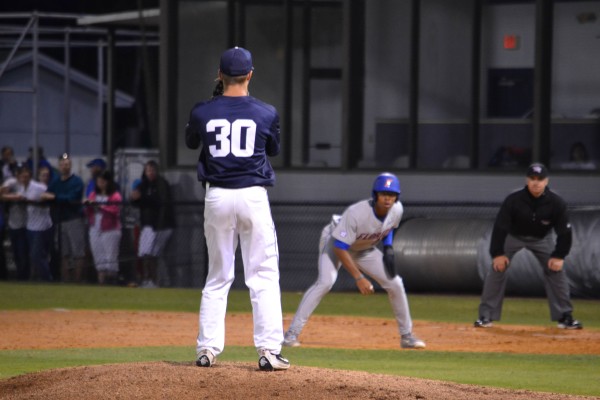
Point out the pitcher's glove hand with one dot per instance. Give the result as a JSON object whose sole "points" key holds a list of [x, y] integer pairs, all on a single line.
{"points": [[388, 261]]}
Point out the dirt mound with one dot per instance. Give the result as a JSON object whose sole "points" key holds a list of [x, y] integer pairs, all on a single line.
{"points": [[228, 380]]}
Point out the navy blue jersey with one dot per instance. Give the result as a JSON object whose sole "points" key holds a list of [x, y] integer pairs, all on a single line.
{"points": [[237, 134]]}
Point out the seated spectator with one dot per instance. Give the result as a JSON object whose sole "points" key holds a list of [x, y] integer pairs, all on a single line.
{"points": [[510, 156], [104, 212], [578, 158]]}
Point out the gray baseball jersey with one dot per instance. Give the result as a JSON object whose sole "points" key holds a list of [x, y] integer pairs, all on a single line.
{"points": [[359, 228]]}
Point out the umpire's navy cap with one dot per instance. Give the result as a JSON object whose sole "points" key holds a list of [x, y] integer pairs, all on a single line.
{"points": [[236, 62], [538, 170]]}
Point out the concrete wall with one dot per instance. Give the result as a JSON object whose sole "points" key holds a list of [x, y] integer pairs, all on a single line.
{"points": [[331, 186]]}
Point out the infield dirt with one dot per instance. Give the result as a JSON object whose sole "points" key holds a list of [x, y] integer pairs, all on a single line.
{"points": [[54, 329]]}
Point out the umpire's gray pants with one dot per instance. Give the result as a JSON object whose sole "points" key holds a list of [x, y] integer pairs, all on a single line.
{"points": [[555, 283]]}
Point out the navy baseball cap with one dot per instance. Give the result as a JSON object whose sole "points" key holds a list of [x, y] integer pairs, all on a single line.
{"points": [[97, 162], [538, 170], [236, 62]]}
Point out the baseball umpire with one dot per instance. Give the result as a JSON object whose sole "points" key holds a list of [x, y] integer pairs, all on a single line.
{"points": [[350, 240], [525, 221], [238, 132]]}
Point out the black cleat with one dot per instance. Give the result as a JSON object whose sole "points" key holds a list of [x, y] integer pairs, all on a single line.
{"points": [[567, 322], [483, 322]]}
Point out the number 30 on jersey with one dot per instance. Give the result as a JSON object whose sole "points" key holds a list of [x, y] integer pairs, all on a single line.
{"points": [[236, 138]]}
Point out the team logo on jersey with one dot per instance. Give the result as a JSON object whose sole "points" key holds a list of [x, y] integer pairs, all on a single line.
{"points": [[376, 236], [343, 234]]}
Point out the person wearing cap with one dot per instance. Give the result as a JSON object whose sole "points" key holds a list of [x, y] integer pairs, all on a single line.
{"points": [[525, 221], [96, 167], [238, 133], [42, 161], [66, 193]]}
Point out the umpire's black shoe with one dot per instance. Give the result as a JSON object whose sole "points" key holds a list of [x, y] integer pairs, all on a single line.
{"points": [[483, 322], [567, 322]]}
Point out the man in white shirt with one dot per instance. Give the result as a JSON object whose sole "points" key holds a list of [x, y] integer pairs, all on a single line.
{"points": [[37, 222]]}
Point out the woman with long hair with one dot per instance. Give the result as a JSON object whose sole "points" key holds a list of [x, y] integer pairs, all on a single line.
{"points": [[104, 216]]}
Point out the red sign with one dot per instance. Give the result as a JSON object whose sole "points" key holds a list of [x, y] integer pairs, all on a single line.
{"points": [[511, 42]]}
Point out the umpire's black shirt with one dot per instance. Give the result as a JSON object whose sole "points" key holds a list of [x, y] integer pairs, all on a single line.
{"points": [[523, 215]]}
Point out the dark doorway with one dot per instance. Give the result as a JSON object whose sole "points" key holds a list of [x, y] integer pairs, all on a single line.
{"points": [[510, 92]]}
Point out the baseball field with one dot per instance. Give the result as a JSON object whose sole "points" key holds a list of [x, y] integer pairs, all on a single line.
{"points": [[73, 342]]}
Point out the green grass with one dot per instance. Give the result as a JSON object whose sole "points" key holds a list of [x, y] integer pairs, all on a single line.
{"points": [[447, 308], [551, 373]]}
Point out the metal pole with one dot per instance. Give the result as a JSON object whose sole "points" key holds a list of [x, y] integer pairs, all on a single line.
{"points": [[306, 61], [17, 45], [100, 89], [475, 84], [352, 82], [288, 10], [413, 112], [167, 115], [67, 89], [110, 95], [34, 102], [542, 81]]}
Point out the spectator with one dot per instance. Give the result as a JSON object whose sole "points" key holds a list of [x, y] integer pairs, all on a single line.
{"points": [[8, 163], [67, 192], [45, 176], [12, 191], [42, 162], [3, 267], [104, 212], [157, 219], [39, 226], [578, 158], [8, 166], [96, 167]]}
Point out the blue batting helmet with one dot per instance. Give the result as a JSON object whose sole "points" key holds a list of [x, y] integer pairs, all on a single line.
{"points": [[386, 182]]}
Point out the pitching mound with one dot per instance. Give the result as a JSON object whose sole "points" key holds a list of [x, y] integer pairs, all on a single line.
{"points": [[226, 380], [163, 380]]}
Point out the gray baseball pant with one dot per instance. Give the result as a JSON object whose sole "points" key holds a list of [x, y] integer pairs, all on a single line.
{"points": [[555, 283], [370, 263]]}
